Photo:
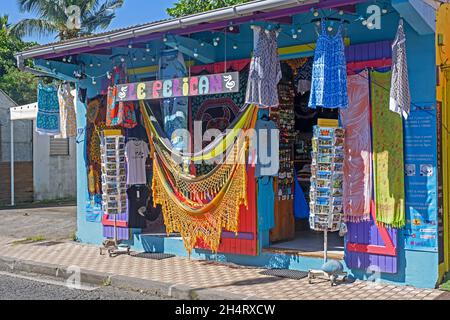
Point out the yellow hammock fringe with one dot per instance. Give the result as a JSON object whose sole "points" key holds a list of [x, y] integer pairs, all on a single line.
{"points": [[208, 221], [226, 185]]}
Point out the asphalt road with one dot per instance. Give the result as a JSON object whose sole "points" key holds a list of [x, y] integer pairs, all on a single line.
{"points": [[14, 287]]}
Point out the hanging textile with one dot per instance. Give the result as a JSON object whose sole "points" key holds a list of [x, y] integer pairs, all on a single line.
{"points": [[266, 204], [388, 155], [216, 148], [96, 110], [200, 207], [301, 206], [268, 148], [358, 150], [119, 113], [67, 113], [48, 121], [136, 153], [220, 67], [400, 101], [194, 220], [303, 76], [329, 75], [265, 69], [174, 110]]}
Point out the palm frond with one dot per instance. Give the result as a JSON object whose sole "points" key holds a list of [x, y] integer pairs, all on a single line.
{"points": [[29, 27], [102, 17]]}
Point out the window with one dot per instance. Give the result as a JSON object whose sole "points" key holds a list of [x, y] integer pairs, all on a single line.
{"points": [[59, 147]]}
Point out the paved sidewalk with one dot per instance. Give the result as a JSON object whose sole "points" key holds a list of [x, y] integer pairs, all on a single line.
{"points": [[199, 279]]}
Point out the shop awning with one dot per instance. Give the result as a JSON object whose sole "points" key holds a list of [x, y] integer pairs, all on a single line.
{"points": [[26, 112]]}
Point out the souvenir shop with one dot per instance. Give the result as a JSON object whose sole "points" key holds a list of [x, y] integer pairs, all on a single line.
{"points": [[347, 161]]}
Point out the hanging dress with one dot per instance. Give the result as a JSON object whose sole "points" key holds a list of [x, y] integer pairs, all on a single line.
{"points": [[67, 113], [329, 74], [400, 97], [265, 70], [47, 121]]}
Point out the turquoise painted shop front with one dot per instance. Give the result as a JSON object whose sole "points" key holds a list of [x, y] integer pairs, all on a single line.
{"points": [[414, 267]]}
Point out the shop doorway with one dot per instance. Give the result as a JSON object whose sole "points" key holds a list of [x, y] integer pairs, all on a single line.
{"points": [[300, 239]]}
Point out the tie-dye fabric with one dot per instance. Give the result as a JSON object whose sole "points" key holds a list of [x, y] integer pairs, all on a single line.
{"points": [[388, 155], [329, 74], [358, 150], [47, 121]]}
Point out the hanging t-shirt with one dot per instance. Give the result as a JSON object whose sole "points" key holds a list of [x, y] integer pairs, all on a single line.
{"points": [[136, 152], [267, 153], [137, 206]]}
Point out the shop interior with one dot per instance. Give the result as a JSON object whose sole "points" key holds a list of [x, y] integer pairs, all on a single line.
{"points": [[295, 164]]}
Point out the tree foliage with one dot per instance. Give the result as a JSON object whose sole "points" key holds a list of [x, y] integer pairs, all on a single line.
{"points": [[53, 17], [187, 7], [20, 86]]}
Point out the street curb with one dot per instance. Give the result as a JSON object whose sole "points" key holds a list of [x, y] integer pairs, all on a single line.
{"points": [[173, 290], [60, 272]]}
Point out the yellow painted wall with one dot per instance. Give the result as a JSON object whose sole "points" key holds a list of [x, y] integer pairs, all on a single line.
{"points": [[443, 92]]}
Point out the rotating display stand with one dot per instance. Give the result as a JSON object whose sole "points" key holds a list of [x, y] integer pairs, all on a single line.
{"points": [[114, 198], [326, 202]]}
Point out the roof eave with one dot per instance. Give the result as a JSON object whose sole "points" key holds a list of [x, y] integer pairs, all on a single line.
{"points": [[223, 14]]}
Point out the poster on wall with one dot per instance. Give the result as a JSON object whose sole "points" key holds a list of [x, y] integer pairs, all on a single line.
{"points": [[421, 231]]}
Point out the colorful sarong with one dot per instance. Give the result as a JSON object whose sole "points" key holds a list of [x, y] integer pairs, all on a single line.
{"points": [[388, 155], [47, 121], [358, 150]]}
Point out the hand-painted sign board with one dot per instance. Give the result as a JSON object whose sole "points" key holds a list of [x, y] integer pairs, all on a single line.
{"points": [[180, 87]]}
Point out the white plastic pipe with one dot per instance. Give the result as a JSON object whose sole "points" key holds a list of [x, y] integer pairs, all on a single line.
{"points": [[12, 163]]}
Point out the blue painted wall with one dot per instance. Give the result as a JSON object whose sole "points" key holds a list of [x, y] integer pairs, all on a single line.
{"points": [[415, 268]]}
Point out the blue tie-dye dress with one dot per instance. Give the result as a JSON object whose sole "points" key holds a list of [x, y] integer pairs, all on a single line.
{"points": [[329, 74], [48, 121]]}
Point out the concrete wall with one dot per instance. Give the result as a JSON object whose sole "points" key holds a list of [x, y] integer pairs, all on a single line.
{"points": [[23, 137], [54, 176]]}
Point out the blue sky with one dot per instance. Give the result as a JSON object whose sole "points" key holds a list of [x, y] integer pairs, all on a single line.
{"points": [[133, 12]]}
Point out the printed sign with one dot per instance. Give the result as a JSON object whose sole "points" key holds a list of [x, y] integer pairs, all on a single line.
{"points": [[180, 87], [421, 232]]}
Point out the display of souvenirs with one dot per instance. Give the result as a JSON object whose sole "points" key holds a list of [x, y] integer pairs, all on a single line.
{"points": [[326, 204], [284, 116], [114, 179]]}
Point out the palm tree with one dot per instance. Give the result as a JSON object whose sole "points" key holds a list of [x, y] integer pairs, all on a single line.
{"points": [[53, 19], [4, 22]]}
